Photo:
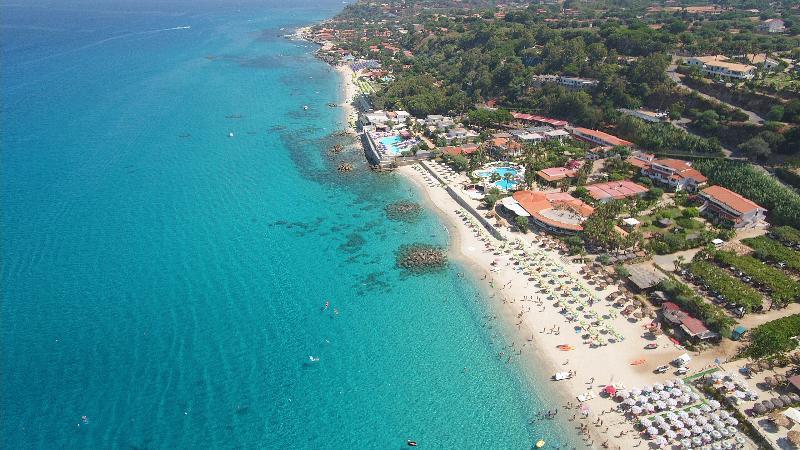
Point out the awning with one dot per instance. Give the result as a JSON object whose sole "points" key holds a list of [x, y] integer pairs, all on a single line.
{"points": [[514, 206]]}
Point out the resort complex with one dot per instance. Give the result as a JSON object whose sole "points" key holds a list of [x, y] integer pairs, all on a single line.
{"points": [[605, 212]]}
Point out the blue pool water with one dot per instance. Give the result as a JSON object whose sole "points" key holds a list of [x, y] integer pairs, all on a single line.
{"points": [[167, 281], [502, 171], [390, 142]]}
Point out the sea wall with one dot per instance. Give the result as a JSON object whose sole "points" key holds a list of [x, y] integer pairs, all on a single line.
{"points": [[466, 205]]}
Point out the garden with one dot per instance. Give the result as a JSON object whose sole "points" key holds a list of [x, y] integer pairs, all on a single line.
{"points": [[732, 289], [783, 289], [767, 249]]}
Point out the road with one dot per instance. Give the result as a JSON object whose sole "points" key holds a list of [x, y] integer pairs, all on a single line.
{"points": [[752, 117]]}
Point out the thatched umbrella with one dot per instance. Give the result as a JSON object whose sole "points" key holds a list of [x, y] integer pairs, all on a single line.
{"points": [[779, 419], [793, 437], [768, 405], [777, 403], [764, 365], [759, 409], [794, 397], [786, 400], [770, 382]]}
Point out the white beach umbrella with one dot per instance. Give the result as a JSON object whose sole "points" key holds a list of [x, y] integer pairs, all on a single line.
{"points": [[733, 431], [695, 397], [636, 410], [671, 434], [702, 420], [672, 416], [725, 432], [672, 403], [677, 424], [661, 405], [705, 408], [669, 383], [658, 387], [652, 431], [739, 439], [623, 394], [685, 432], [719, 425], [706, 438], [645, 422], [642, 399], [686, 399], [724, 414], [683, 415], [696, 441], [650, 407], [660, 441], [716, 445], [694, 411], [686, 443], [655, 397], [708, 428], [697, 429], [676, 392], [714, 404], [630, 401], [732, 421], [679, 381], [647, 388], [716, 435], [664, 395]]}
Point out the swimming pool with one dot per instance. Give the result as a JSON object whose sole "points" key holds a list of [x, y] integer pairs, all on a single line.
{"points": [[389, 142], [501, 171]]}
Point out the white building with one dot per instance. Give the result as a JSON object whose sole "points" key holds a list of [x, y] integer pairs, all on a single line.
{"points": [[720, 66], [647, 116], [772, 26], [731, 207]]}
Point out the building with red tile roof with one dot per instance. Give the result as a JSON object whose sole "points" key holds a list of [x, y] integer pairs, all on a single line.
{"points": [[691, 326], [556, 123], [557, 212], [555, 174], [599, 137], [615, 190], [730, 207], [640, 159], [461, 149], [675, 173]]}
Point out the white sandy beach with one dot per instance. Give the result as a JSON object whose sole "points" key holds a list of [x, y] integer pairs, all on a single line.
{"points": [[542, 328]]}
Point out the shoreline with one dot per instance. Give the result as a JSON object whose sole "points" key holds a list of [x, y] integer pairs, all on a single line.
{"points": [[535, 317]]}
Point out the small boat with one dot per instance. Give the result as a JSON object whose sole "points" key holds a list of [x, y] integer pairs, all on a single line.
{"points": [[230, 134], [313, 359], [411, 443], [565, 348], [562, 376], [651, 346], [662, 369], [540, 443], [305, 107]]}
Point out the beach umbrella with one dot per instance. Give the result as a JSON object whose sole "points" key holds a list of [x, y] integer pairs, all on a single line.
{"points": [[686, 399], [716, 435], [697, 429], [779, 419], [672, 416], [725, 432], [690, 422], [732, 430], [660, 441], [658, 387], [679, 381], [705, 408], [724, 414], [650, 407], [647, 388], [768, 405], [664, 395], [733, 421], [695, 397], [671, 434], [669, 383], [740, 439], [786, 400], [714, 404], [636, 410], [683, 415], [719, 425], [716, 445], [677, 424], [701, 420], [630, 401], [793, 437], [696, 441], [672, 402], [706, 438], [708, 428], [685, 432], [610, 390], [727, 445], [652, 431], [676, 392], [686, 443], [645, 422], [759, 408], [794, 397], [642, 399], [661, 405], [664, 426], [740, 395], [655, 397]]}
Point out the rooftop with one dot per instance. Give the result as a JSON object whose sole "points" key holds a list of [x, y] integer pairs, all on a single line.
{"points": [[557, 209], [615, 189], [730, 199], [605, 137]]}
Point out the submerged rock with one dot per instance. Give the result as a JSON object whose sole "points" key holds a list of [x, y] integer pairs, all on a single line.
{"points": [[403, 211], [421, 258], [345, 167]]}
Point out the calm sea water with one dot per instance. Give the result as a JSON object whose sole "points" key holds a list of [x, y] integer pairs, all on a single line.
{"points": [[166, 281]]}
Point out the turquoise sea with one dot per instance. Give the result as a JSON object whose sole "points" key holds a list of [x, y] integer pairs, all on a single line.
{"points": [[163, 283]]}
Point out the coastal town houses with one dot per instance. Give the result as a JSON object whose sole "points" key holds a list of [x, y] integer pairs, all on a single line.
{"points": [[693, 328], [599, 137], [640, 159], [556, 212], [730, 208], [721, 66], [675, 173]]}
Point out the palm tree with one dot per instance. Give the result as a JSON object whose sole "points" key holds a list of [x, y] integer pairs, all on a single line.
{"points": [[679, 261]]}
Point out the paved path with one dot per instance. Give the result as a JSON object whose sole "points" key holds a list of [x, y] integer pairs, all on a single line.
{"points": [[677, 78]]}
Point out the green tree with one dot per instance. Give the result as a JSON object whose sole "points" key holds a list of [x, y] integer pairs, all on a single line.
{"points": [[776, 113], [522, 223], [756, 147]]}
